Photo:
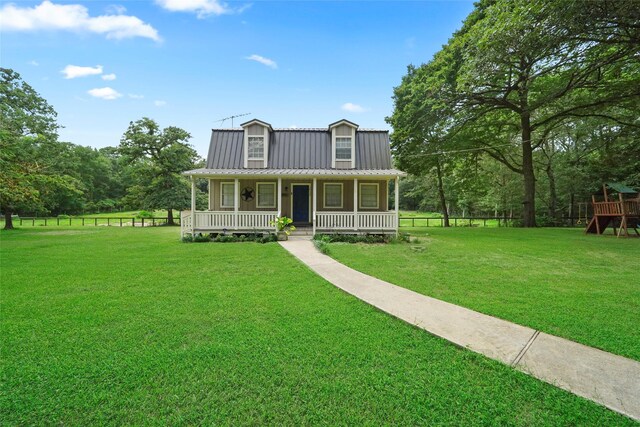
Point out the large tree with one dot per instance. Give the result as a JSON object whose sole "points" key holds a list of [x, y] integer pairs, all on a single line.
{"points": [[518, 69], [27, 124], [161, 155]]}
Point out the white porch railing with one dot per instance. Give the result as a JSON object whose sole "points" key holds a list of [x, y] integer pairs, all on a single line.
{"points": [[358, 221], [186, 224], [227, 220]]}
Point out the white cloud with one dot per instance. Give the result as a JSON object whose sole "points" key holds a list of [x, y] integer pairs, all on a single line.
{"points": [[33, 62], [115, 9], [202, 8], [74, 71], [108, 76], [265, 61], [135, 96], [104, 93], [353, 108], [73, 17], [159, 103]]}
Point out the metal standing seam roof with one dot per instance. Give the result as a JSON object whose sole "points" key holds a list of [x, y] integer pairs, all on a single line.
{"points": [[307, 149]]}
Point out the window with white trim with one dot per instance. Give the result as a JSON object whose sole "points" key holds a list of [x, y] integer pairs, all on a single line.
{"points": [[343, 148], [227, 190], [255, 147], [333, 195], [368, 195], [266, 194]]}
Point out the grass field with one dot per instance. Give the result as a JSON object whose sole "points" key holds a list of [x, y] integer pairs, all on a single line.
{"points": [[129, 326], [585, 288]]}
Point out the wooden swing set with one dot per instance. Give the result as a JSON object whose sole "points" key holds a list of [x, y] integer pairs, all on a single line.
{"points": [[623, 214]]}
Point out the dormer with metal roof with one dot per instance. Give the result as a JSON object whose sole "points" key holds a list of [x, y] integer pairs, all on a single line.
{"points": [[256, 143], [343, 144]]}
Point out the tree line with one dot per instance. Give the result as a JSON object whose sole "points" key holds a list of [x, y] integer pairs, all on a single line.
{"points": [[528, 108], [41, 175]]}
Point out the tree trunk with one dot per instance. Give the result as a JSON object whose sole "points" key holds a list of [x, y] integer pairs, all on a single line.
{"points": [[443, 200], [8, 221], [170, 217], [553, 194], [529, 203]]}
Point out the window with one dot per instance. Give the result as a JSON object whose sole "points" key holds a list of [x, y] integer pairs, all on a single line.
{"points": [[227, 190], [343, 148], [333, 195], [256, 148], [266, 194], [368, 196]]}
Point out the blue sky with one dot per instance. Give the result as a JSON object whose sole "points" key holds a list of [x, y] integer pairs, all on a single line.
{"points": [[190, 63]]}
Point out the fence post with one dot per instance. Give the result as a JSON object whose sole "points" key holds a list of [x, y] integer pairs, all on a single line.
{"points": [[484, 224], [108, 222], [442, 222], [33, 222], [20, 221], [120, 222], [83, 221], [45, 221], [95, 223], [133, 221], [153, 222], [57, 221], [69, 221], [143, 221], [455, 222]]}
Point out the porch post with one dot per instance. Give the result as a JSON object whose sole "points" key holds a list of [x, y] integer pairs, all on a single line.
{"points": [[355, 204], [279, 196], [279, 201], [236, 190], [314, 204], [396, 203], [193, 203]]}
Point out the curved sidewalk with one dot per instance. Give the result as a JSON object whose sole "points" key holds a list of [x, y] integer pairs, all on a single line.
{"points": [[610, 380]]}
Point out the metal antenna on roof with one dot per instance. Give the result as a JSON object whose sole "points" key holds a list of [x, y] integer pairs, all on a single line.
{"points": [[221, 121]]}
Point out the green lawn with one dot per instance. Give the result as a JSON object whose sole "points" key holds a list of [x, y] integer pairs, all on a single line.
{"points": [[585, 288], [129, 326]]}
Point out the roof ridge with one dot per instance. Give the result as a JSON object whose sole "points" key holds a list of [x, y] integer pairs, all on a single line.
{"points": [[299, 130]]}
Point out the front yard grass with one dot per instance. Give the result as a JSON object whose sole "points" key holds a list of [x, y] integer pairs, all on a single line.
{"points": [[129, 326], [584, 288]]}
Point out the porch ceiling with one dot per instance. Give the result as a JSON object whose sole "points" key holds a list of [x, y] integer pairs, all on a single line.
{"points": [[283, 173]]}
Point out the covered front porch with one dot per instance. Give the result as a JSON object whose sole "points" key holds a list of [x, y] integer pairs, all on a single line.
{"points": [[323, 204]]}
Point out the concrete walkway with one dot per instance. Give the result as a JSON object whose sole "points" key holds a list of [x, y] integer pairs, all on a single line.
{"points": [[610, 380]]}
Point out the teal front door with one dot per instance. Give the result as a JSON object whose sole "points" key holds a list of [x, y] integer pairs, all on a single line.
{"points": [[300, 208]]}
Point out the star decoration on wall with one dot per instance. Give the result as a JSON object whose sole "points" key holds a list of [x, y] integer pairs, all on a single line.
{"points": [[247, 194]]}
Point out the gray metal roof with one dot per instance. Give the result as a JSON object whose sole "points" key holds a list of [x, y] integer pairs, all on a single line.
{"points": [[297, 172], [299, 149]]}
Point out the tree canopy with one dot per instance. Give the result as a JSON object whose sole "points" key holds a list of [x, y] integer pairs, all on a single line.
{"points": [[515, 77]]}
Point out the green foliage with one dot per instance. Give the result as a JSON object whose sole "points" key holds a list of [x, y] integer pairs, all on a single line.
{"points": [[283, 224], [511, 83], [352, 238], [159, 158], [144, 214]]}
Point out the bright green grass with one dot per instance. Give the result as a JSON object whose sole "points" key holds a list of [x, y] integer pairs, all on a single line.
{"points": [[129, 326], [585, 288]]}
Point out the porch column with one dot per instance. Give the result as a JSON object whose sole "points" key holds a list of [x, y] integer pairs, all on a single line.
{"points": [[279, 197], [314, 204], [355, 204], [193, 203], [236, 190], [396, 202]]}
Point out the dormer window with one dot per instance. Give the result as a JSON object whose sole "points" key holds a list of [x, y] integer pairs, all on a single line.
{"points": [[256, 147], [343, 141], [343, 148], [256, 143]]}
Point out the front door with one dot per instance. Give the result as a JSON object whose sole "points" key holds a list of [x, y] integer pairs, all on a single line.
{"points": [[300, 211]]}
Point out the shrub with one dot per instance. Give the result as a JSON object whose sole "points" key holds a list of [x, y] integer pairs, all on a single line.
{"points": [[322, 246], [144, 214], [201, 238], [63, 216]]}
